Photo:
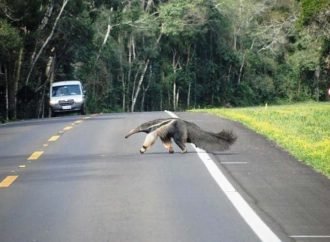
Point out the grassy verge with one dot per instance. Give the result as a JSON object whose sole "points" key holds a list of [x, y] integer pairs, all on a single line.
{"points": [[302, 129]]}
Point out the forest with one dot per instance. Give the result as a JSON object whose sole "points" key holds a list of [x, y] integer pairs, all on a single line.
{"points": [[148, 55]]}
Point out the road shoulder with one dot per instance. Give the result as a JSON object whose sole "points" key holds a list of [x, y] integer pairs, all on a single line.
{"points": [[285, 192]]}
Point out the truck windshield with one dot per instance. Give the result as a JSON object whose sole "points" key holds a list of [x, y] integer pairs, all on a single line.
{"points": [[66, 90]]}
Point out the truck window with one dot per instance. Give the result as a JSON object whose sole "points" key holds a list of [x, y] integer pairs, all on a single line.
{"points": [[66, 90]]}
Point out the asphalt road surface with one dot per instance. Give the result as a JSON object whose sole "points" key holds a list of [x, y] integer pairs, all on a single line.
{"points": [[76, 178]]}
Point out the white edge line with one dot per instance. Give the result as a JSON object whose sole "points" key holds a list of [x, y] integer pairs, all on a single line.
{"points": [[249, 215]]}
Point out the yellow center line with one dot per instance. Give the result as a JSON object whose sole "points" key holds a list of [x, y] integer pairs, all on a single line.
{"points": [[35, 155], [7, 181], [67, 128], [54, 138], [78, 122]]}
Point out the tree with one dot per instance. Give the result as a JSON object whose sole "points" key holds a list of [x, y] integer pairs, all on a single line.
{"points": [[10, 55], [141, 55], [35, 59]]}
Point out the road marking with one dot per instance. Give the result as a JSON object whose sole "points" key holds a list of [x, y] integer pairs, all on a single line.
{"points": [[22, 166], [248, 214], [78, 122], [54, 138], [67, 128], [35, 155], [7, 181], [310, 236], [233, 162]]}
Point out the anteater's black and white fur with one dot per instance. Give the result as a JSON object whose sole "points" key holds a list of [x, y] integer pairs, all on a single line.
{"points": [[182, 131]]}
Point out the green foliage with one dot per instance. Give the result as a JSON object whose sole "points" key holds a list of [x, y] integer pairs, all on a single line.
{"points": [[195, 53], [310, 8], [182, 16], [10, 40], [244, 96]]}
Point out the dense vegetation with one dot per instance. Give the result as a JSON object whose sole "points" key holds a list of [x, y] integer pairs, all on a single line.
{"points": [[137, 55], [302, 129]]}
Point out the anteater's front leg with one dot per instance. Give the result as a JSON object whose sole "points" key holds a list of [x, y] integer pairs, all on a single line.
{"points": [[149, 141], [181, 144]]}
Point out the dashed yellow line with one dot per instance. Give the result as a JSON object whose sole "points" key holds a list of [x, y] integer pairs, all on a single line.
{"points": [[54, 138], [78, 122], [7, 181], [35, 155]]}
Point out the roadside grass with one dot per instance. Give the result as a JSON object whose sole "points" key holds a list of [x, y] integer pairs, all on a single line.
{"points": [[302, 129]]}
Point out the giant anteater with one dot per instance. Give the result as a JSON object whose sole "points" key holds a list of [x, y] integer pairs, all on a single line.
{"points": [[182, 131]]}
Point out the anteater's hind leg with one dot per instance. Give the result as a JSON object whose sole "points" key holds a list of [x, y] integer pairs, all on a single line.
{"points": [[149, 141], [168, 144]]}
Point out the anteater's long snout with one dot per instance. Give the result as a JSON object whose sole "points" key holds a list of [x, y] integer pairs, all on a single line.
{"points": [[133, 131]]}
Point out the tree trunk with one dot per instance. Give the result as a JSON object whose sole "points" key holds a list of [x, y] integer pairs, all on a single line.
{"points": [[47, 15], [46, 42], [161, 104], [175, 66], [50, 73], [15, 84], [177, 98], [139, 84], [6, 94], [241, 69], [188, 95], [123, 84], [134, 86], [145, 90], [243, 63], [129, 74], [136, 93], [229, 73], [317, 83], [106, 36], [11, 93], [41, 113], [174, 95], [189, 82], [150, 3]]}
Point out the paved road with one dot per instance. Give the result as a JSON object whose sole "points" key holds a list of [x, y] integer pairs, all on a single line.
{"points": [[77, 179]]}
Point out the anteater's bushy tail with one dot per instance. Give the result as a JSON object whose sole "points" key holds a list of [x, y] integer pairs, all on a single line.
{"points": [[227, 135], [210, 141]]}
